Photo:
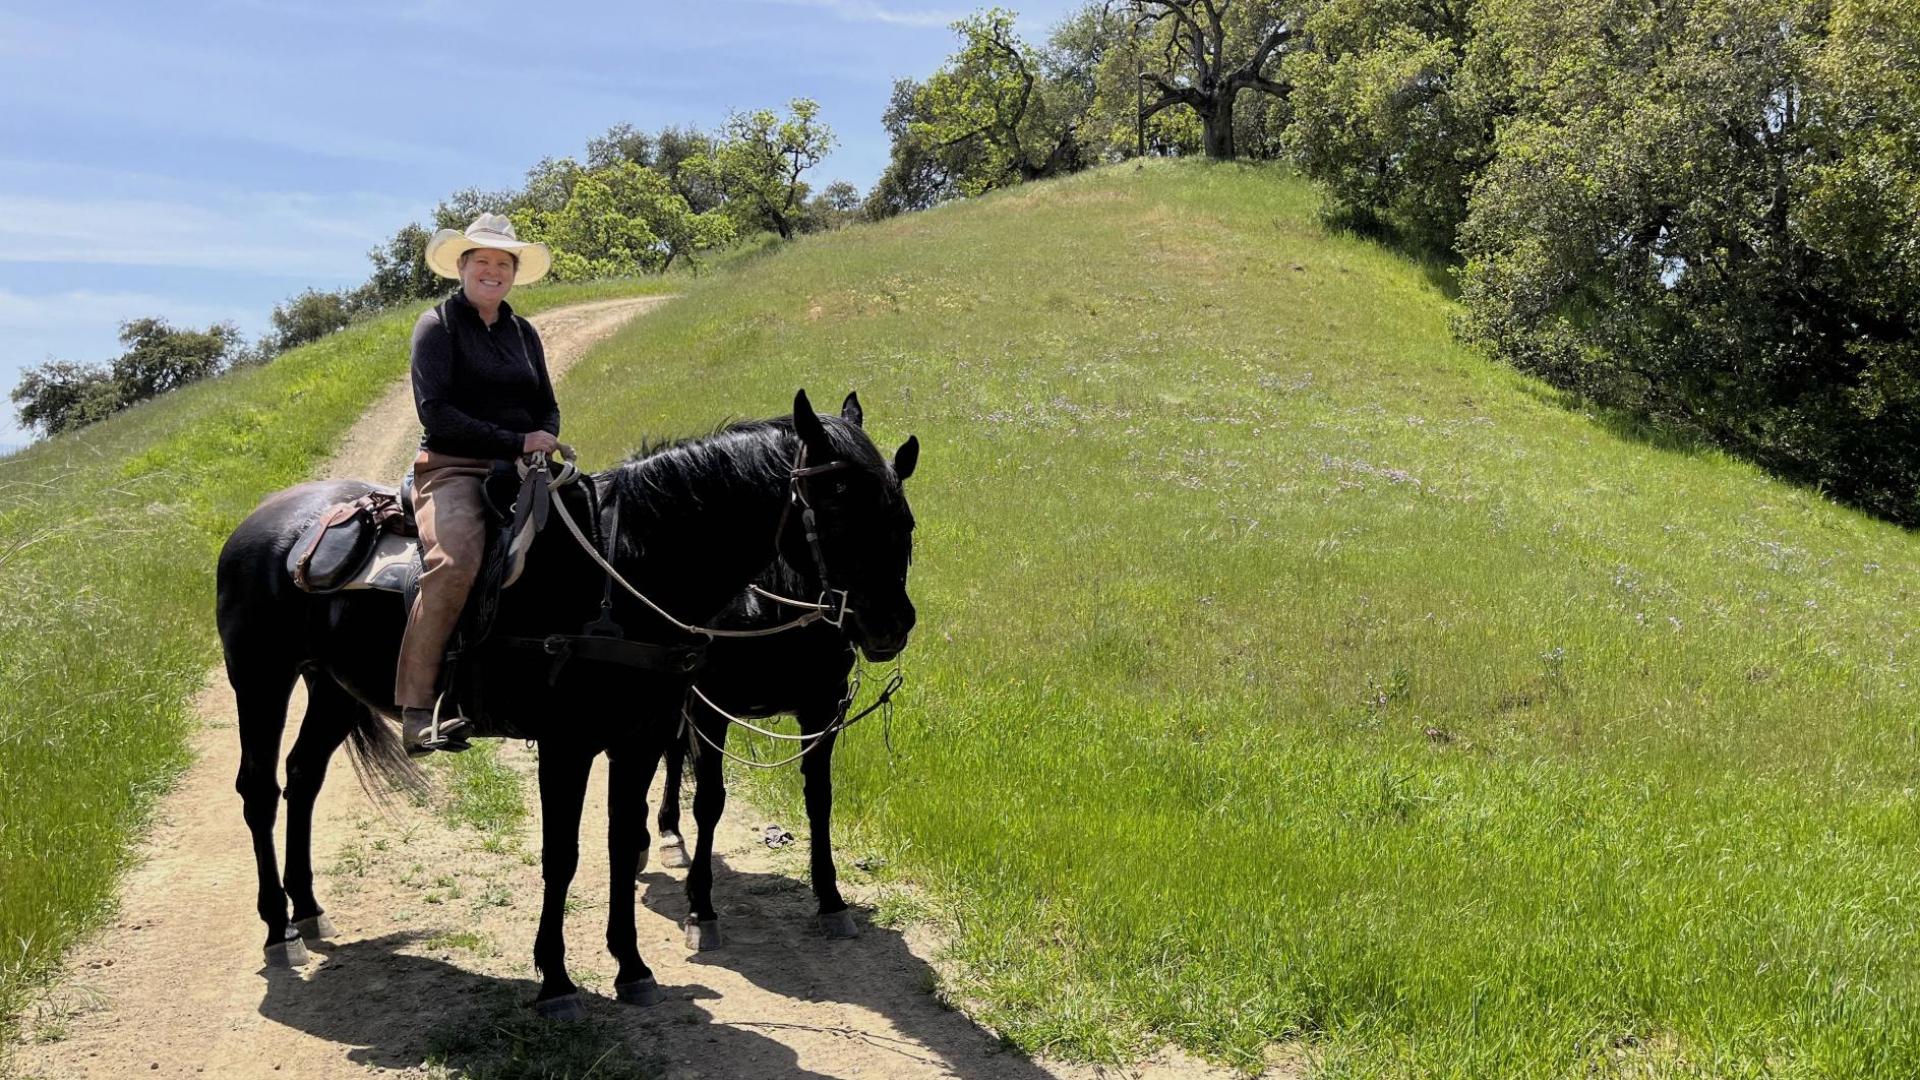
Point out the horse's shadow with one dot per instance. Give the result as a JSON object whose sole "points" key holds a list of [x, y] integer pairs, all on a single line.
{"points": [[772, 942], [395, 1010], [392, 1008]]}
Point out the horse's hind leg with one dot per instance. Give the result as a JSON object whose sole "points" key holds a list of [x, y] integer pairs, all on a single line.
{"points": [[816, 771], [563, 788], [331, 712], [709, 801], [260, 692], [673, 847], [629, 774]]}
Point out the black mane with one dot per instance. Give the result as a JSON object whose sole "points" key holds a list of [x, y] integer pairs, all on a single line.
{"points": [[743, 453]]}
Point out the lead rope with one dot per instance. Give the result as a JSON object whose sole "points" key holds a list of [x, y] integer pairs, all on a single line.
{"points": [[567, 474], [842, 723]]}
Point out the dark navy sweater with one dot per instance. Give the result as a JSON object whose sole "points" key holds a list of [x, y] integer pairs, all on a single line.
{"points": [[479, 389]]}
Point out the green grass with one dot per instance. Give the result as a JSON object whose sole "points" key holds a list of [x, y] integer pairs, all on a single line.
{"points": [[510, 1044], [107, 545], [1288, 674], [482, 793]]}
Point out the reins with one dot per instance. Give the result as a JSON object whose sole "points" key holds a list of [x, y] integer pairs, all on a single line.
{"points": [[834, 614], [831, 609], [840, 723]]}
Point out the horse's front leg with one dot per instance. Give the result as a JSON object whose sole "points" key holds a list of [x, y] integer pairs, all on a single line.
{"points": [[629, 773], [816, 770], [563, 790], [709, 800]]}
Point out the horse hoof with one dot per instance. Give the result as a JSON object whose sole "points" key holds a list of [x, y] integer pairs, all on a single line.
{"points": [[673, 853], [318, 928], [291, 953], [703, 936], [564, 1007], [641, 992], [839, 925]]}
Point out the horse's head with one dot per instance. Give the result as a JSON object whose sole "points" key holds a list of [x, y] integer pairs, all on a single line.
{"points": [[863, 525]]}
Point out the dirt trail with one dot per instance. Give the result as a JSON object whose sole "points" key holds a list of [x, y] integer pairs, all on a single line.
{"points": [[435, 930]]}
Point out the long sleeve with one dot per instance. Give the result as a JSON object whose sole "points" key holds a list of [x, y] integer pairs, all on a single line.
{"points": [[433, 391]]}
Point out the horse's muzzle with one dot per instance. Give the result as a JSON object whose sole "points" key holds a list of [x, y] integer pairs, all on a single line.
{"points": [[879, 655]]}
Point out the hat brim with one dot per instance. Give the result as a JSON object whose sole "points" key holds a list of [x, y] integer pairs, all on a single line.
{"points": [[447, 245]]}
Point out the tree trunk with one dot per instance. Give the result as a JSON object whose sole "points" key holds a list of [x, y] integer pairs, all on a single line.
{"points": [[1217, 127]]}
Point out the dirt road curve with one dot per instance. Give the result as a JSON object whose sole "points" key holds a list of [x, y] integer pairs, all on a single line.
{"points": [[435, 931]]}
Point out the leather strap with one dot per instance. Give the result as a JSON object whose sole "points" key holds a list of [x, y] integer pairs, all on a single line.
{"points": [[335, 514], [683, 659]]}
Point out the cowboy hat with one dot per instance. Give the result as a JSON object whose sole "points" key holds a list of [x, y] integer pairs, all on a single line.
{"points": [[488, 231]]}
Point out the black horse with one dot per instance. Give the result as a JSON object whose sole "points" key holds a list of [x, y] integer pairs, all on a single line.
{"points": [[689, 524], [803, 672]]}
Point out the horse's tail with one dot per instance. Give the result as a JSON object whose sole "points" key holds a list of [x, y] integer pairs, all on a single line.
{"points": [[380, 761]]}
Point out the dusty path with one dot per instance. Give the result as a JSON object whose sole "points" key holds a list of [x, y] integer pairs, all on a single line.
{"points": [[435, 932]]}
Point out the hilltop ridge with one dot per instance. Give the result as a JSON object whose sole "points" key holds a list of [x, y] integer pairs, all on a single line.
{"points": [[1289, 671]]}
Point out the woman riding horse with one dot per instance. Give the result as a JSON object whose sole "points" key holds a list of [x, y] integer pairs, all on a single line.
{"points": [[680, 532], [481, 387]]}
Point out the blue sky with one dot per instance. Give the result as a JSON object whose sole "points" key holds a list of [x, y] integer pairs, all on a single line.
{"points": [[205, 161]]}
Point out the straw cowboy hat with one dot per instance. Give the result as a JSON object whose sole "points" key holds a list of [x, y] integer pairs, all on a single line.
{"points": [[488, 231]]}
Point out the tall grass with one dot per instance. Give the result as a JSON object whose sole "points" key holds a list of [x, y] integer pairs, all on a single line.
{"points": [[107, 544], [1287, 673]]}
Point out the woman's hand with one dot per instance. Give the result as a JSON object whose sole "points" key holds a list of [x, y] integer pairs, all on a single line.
{"points": [[539, 442]]}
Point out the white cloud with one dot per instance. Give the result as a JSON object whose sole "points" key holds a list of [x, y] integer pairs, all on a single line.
{"points": [[359, 12], [296, 234], [57, 314], [103, 72], [874, 11]]}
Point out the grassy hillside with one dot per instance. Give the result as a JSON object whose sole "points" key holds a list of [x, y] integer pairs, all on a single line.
{"points": [[107, 544], [1289, 674]]}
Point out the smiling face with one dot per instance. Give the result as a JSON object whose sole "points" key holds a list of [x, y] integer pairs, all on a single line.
{"points": [[486, 274]]}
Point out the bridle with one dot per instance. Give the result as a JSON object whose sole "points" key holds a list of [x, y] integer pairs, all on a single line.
{"points": [[832, 604]]}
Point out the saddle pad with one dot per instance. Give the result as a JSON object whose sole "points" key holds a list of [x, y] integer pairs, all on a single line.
{"points": [[392, 566]]}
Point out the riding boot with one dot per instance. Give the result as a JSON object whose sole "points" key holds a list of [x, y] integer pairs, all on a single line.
{"points": [[417, 732]]}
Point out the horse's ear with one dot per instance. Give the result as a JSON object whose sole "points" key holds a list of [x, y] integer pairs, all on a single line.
{"points": [[905, 458], [806, 424], [851, 412]]}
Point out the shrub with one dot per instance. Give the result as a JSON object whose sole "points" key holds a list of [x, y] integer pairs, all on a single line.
{"points": [[312, 315]]}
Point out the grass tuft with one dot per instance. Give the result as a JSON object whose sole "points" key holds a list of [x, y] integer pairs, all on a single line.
{"points": [[483, 793]]}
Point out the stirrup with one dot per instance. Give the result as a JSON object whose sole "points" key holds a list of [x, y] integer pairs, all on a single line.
{"points": [[441, 734]]}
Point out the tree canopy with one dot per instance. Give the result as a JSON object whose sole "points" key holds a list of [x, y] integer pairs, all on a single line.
{"points": [[1201, 54], [759, 161], [1706, 212], [61, 395], [621, 218]]}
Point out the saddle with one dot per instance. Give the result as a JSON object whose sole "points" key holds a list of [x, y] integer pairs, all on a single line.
{"points": [[372, 542]]}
